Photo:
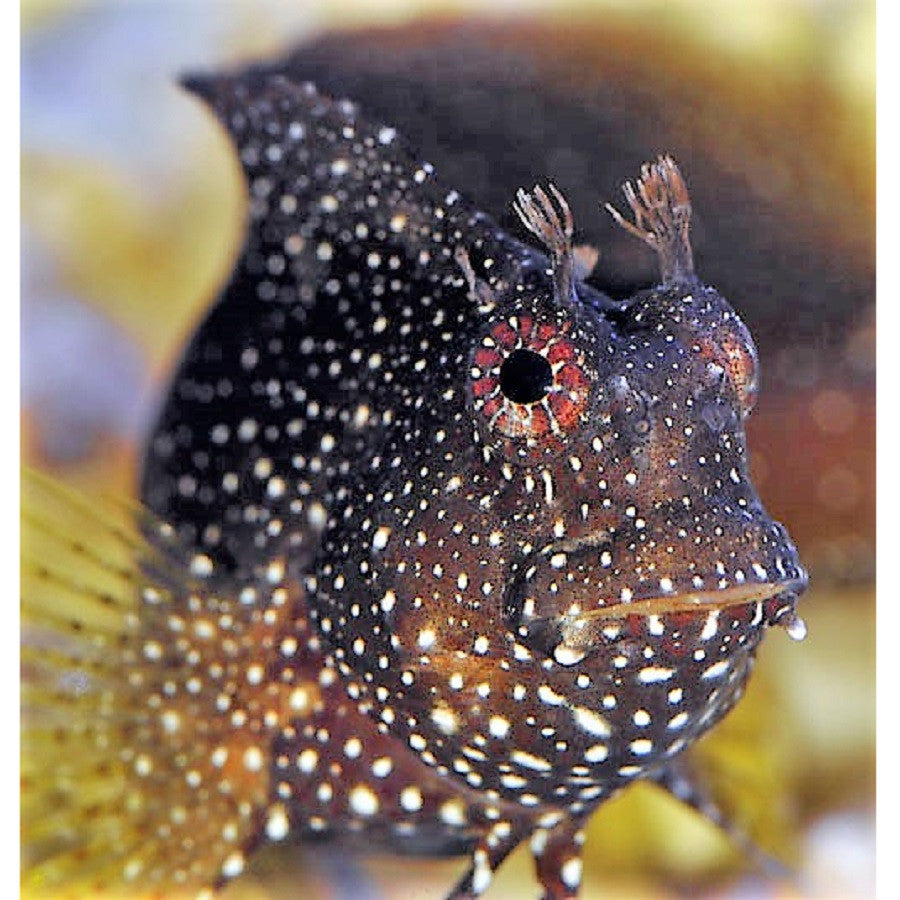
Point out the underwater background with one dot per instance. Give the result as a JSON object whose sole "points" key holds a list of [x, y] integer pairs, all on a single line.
{"points": [[132, 211]]}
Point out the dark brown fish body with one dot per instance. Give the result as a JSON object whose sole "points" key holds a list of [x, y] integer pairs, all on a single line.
{"points": [[466, 546], [533, 564]]}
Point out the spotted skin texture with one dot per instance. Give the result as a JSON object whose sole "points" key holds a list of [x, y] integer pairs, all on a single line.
{"points": [[527, 565]]}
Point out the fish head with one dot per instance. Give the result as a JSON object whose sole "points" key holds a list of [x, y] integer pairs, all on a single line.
{"points": [[629, 423]]}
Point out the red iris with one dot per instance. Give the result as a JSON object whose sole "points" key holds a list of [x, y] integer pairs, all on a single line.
{"points": [[529, 381]]}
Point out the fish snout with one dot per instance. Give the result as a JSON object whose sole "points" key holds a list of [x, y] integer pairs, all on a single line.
{"points": [[725, 561]]}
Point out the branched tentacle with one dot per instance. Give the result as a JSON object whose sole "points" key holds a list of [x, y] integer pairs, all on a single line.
{"points": [[553, 225], [662, 217]]}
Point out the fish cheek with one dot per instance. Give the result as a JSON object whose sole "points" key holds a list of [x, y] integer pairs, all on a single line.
{"points": [[417, 594]]}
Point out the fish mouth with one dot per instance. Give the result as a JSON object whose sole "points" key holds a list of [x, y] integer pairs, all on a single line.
{"points": [[688, 601], [560, 607], [572, 636], [765, 564], [578, 635]]}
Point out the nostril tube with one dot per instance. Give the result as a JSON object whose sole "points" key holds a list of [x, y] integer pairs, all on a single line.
{"points": [[717, 415]]}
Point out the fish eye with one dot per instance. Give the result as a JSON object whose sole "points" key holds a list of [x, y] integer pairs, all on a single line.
{"points": [[530, 384], [735, 353], [742, 366], [525, 376]]}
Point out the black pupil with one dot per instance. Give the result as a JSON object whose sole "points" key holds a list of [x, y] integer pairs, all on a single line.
{"points": [[525, 377]]}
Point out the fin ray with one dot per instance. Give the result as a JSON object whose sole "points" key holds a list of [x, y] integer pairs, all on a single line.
{"points": [[133, 671]]}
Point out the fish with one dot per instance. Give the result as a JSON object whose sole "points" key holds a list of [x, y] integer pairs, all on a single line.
{"points": [[437, 547]]}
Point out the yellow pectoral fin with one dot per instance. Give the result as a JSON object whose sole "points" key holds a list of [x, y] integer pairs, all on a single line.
{"points": [[144, 742]]}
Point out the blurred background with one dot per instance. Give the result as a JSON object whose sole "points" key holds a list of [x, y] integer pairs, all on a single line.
{"points": [[132, 211]]}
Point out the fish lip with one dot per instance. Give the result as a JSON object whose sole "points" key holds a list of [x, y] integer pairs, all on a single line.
{"points": [[688, 601], [574, 636], [680, 600]]}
